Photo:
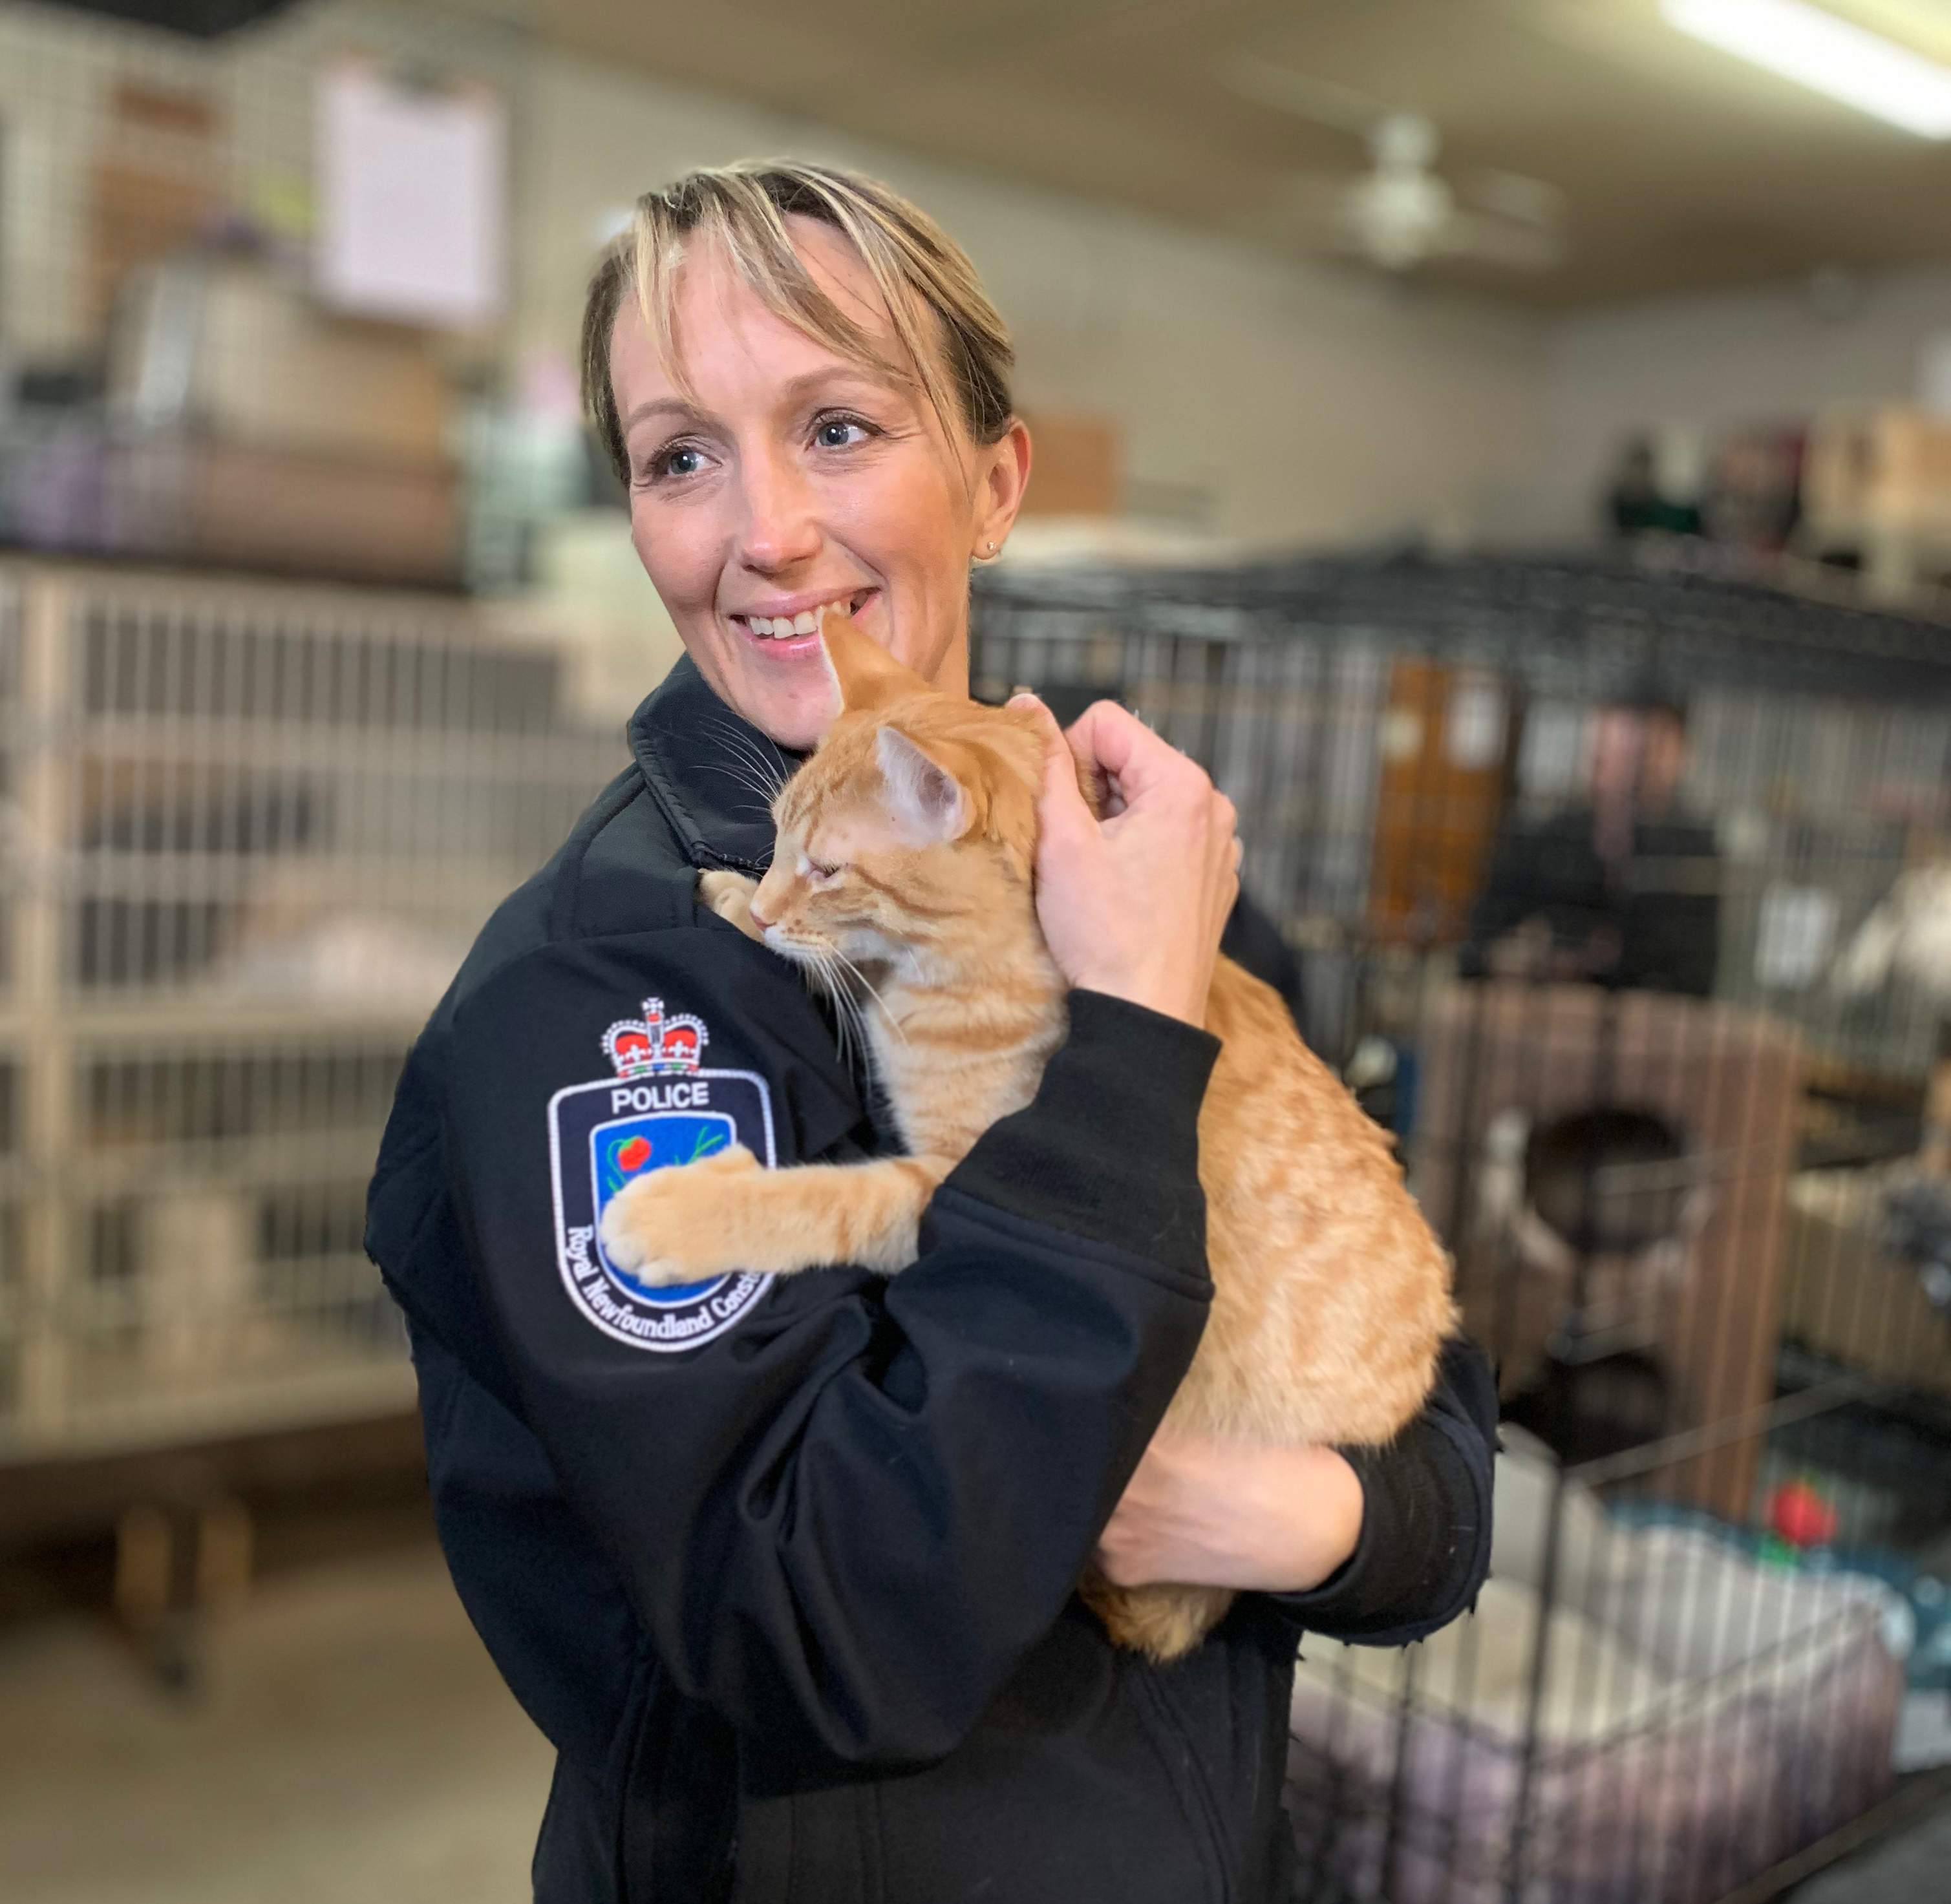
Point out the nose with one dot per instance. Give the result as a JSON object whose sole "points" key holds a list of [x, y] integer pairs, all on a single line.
{"points": [[757, 917], [780, 529]]}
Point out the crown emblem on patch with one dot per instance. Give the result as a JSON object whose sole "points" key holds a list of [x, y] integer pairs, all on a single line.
{"points": [[654, 1045]]}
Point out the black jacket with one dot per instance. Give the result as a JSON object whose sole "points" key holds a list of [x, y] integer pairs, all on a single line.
{"points": [[784, 1568], [1661, 905]]}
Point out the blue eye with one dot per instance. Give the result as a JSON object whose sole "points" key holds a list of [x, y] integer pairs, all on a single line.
{"points": [[680, 463], [840, 433]]}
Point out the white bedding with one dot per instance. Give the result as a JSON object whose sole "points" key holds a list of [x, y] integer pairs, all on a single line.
{"points": [[1699, 1716]]}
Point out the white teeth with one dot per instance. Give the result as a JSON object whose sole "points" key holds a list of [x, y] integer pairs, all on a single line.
{"points": [[781, 627]]}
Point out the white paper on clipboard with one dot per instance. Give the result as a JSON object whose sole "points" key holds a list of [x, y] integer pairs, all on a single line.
{"points": [[412, 193], [1796, 935], [1473, 727]]}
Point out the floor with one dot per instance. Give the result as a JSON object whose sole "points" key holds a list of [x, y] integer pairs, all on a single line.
{"points": [[350, 1744], [1910, 1867]]}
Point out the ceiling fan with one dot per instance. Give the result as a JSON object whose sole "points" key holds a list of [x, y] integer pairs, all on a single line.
{"points": [[1401, 213]]}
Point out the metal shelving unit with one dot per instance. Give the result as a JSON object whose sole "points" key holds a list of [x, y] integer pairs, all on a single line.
{"points": [[248, 831]]}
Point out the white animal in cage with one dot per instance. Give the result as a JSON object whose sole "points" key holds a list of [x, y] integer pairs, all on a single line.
{"points": [[1641, 1211], [1907, 936]]}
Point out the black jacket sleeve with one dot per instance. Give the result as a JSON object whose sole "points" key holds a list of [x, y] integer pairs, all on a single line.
{"points": [[1425, 1546], [843, 1522]]}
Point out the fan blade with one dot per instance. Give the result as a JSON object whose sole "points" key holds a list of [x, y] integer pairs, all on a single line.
{"points": [[1510, 195], [1321, 101], [1312, 213], [1327, 196], [1499, 240]]}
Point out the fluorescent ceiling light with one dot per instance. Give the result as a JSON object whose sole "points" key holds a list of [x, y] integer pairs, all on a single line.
{"points": [[1816, 49]]}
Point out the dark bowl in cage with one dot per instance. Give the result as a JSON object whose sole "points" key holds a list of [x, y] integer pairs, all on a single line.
{"points": [[1608, 1181]]}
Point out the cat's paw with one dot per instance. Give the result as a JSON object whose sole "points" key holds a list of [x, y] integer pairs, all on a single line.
{"points": [[670, 1225], [729, 895]]}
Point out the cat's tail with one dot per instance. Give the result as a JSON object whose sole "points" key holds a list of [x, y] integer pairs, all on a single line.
{"points": [[1161, 1622]]}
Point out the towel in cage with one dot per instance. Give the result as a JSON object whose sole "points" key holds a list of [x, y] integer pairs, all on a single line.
{"points": [[1696, 1718]]}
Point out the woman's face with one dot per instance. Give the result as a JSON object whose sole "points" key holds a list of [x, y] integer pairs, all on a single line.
{"points": [[794, 478]]}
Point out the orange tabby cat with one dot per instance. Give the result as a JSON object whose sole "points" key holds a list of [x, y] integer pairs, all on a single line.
{"points": [[901, 881]]}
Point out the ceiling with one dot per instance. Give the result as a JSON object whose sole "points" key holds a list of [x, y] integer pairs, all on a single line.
{"points": [[1682, 168]]}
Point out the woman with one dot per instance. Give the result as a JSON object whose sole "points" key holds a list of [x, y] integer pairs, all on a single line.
{"points": [[784, 1571]]}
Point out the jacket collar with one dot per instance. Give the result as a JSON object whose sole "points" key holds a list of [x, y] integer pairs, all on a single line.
{"points": [[704, 766]]}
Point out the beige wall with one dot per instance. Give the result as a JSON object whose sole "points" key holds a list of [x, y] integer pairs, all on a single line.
{"points": [[1281, 404]]}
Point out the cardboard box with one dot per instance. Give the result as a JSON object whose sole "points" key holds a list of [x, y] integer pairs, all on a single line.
{"points": [[187, 498], [1075, 466], [1846, 1296], [1887, 469], [157, 181], [231, 350]]}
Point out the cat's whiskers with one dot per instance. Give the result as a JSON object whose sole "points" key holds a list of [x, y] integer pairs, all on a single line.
{"points": [[821, 973], [750, 772], [762, 777], [849, 1017], [873, 991], [744, 741], [842, 1012], [763, 797], [747, 767]]}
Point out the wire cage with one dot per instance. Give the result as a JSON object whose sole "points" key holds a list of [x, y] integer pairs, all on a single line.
{"points": [[250, 831], [1710, 1637]]}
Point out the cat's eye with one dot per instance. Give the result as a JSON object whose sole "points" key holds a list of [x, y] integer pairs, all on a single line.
{"points": [[815, 869]]}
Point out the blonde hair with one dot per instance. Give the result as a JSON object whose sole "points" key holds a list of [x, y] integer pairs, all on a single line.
{"points": [[953, 340]]}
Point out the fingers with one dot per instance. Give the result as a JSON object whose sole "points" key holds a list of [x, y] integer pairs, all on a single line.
{"points": [[1118, 751], [1109, 740], [1132, 905], [1053, 735], [1061, 809]]}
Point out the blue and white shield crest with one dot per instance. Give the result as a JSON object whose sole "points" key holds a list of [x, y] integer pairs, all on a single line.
{"points": [[603, 1136]]}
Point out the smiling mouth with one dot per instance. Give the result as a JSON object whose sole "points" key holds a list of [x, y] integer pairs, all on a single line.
{"points": [[789, 627]]}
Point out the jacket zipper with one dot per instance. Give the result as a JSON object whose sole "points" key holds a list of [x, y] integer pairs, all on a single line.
{"points": [[1191, 1781]]}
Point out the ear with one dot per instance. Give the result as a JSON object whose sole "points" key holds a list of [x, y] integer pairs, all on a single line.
{"points": [[869, 677], [1002, 476], [927, 800]]}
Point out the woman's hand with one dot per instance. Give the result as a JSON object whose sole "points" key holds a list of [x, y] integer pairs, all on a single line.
{"points": [[1134, 905], [1223, 1514]]}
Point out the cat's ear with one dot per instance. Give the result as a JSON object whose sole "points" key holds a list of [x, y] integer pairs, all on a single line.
{"points": [[926, 800], [869, 677]]}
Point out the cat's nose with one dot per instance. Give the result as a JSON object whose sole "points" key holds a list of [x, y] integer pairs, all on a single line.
{"points": [[758, 918]]}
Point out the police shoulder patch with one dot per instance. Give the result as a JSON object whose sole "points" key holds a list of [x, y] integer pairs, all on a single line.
{"points": [[659, 1107]]}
